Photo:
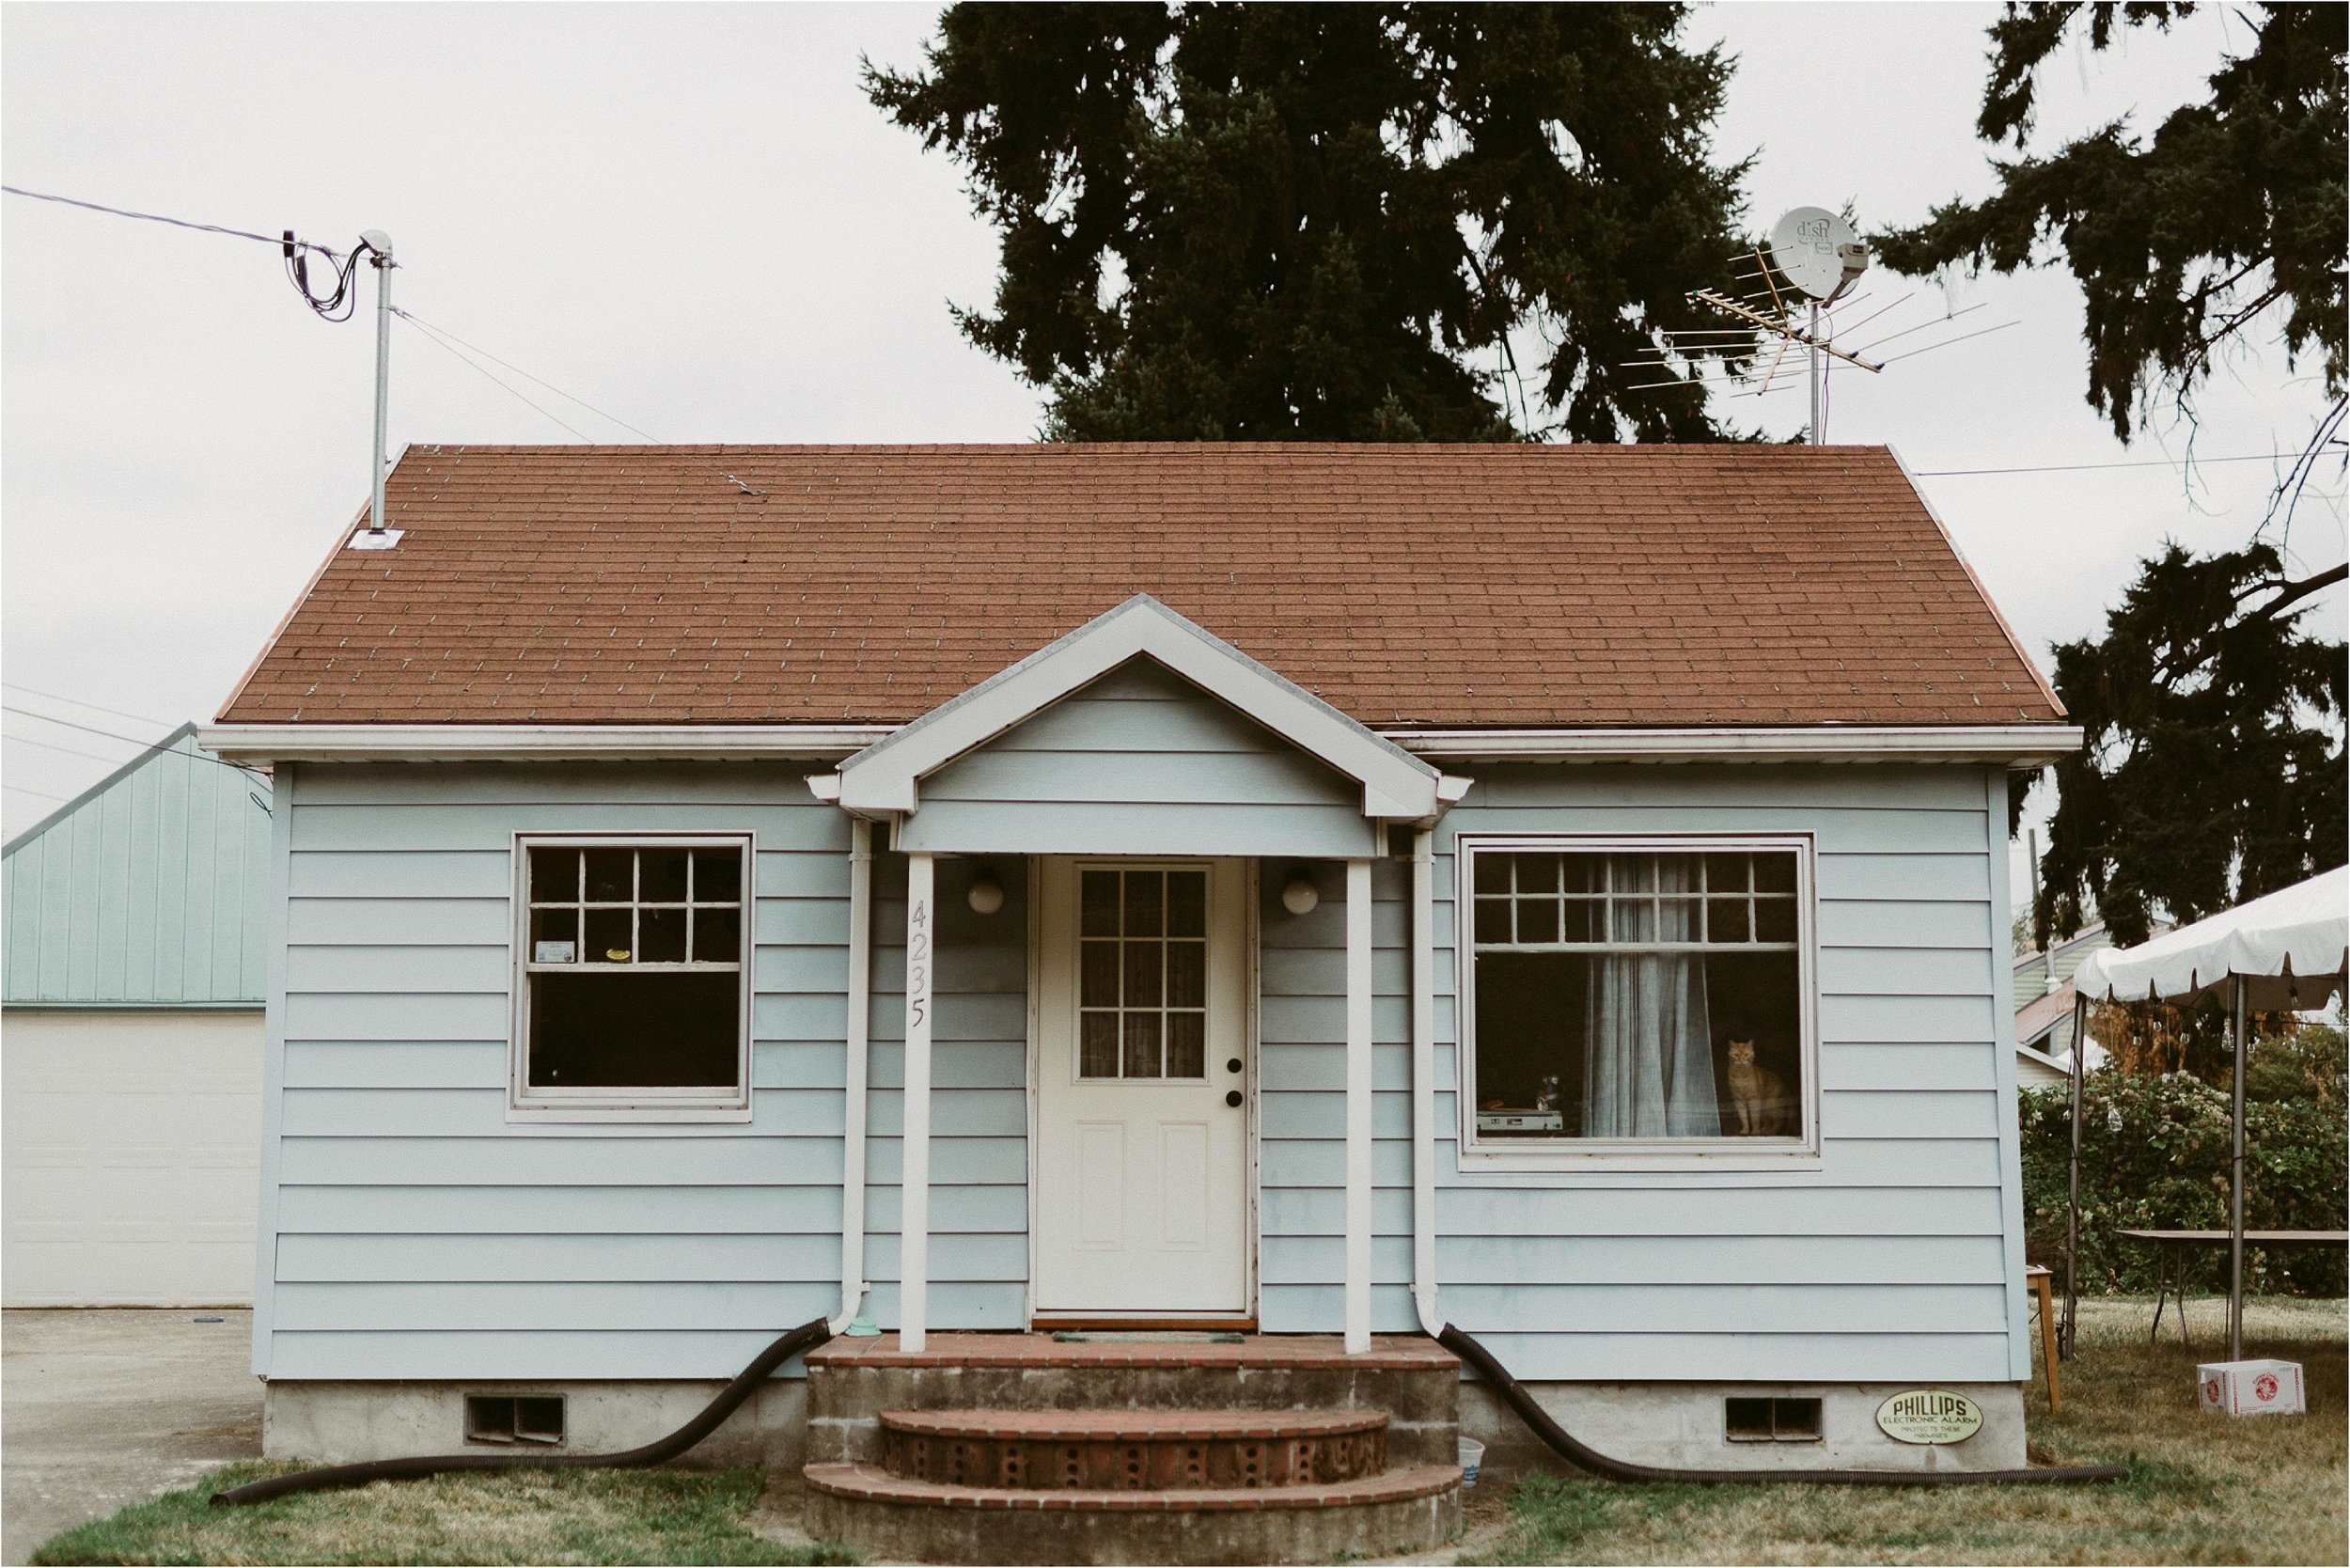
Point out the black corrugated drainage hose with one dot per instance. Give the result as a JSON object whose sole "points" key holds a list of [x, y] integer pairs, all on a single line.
{"points": [[807, 1336], [1564, 1443]]}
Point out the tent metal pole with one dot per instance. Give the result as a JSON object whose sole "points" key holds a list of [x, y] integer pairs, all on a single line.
{"points": [[2073, 1185], [2236, 1187]]}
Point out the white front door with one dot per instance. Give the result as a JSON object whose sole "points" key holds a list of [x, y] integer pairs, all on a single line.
{"points": [[1141, 1168]]}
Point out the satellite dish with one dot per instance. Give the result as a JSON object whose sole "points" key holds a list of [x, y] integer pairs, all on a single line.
{"points": [[1817, 252]]}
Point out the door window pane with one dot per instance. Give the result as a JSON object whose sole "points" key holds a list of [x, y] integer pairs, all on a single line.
{"points": [[1142, 974], [1187, 1045], [1186, 974], [1099, 903], [1098, 983], [1097, 1044], [1142, 1045], [1187, 904], [1146, 903]]}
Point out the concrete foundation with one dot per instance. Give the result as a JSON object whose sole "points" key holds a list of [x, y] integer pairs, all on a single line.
{"points": [[342, 1422], [1673, 1424], [1680, 1425]]}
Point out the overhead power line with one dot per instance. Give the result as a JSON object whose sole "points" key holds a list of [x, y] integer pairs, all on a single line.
{"points": [[414, 319], [127, 740], [175, 223], [2080, 467], [95, 706], [492, 377], [69, 751], [22, 790]]}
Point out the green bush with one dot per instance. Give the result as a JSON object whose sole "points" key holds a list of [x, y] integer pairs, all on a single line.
{"points": [[2154, 1157]]}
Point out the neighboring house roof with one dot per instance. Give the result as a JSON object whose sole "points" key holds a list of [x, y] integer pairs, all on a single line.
{"points": [[149, 889], [2035, 1018], [1523, 586]]}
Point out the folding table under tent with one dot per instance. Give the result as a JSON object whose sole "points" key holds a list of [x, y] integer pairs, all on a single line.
{"points": [[2287, 950]]}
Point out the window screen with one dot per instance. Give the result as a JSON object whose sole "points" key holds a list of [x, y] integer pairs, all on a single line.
{"points": [[1636, 993], [1142, 969], [634, 971]]}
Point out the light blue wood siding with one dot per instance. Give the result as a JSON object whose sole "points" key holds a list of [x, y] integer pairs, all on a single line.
{"points": [[416, 1233], [1140, 762], [1889, 1260], [148, 890]]}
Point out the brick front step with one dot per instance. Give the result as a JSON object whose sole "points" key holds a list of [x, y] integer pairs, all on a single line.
{"points": [[869, 1483], [1413, 1381], [896, 1519], [1131, 1450]]}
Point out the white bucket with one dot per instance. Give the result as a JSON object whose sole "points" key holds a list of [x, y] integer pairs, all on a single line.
{"points": [[1472, 1456]]}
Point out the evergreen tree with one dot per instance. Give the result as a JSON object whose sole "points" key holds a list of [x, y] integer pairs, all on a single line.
{"points": [[2230, 220], [2214, 768], [1273, 221]]}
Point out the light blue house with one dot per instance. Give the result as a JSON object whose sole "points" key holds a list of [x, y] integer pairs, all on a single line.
{"points": [[131, 984], [1303, 890]]}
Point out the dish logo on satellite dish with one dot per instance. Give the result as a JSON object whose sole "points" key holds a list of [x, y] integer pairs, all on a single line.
{"points": [[1929, 1415]]}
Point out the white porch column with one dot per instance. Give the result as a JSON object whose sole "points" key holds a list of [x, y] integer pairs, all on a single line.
{"points": [[1358, 1106], [914, 1226]]}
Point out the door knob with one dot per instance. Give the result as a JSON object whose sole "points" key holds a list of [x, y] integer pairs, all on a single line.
{"points": [[1232, 1066], [1232, 1098]]}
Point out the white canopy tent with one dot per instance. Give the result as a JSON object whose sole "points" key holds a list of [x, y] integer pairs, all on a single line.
{"points": [[2287, 950]]}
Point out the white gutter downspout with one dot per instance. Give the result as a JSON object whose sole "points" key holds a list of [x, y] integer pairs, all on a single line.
{"points": [[852, 1286], [1424, 1081]]}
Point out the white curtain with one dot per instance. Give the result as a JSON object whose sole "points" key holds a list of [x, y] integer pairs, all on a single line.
{"points": [[1648, 1059]]}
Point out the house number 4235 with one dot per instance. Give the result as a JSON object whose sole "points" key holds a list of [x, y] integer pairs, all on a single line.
{"points": [[917, 962]]}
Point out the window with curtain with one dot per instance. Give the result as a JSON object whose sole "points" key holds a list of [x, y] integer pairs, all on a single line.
{"points": [[1636, 993]]}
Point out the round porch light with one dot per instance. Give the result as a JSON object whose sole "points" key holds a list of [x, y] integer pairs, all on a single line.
{"points": [[1298, 895], [987, 894]]}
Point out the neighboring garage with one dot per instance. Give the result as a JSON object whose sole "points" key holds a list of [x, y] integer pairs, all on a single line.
{"points": [[132, 1039]]}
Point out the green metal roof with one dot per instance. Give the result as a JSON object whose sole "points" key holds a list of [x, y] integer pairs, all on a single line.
{"points": [[146, 890]]}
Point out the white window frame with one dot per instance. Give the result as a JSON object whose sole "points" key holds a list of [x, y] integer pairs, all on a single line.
{"points": [[649, 1104], [1578, 1153]]}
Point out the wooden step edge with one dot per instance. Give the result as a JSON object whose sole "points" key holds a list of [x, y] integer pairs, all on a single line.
{"points": [[1139, 1426], [872, 1484], [1020, 1352]]}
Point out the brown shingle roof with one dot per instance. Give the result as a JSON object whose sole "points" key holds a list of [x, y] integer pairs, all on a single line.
{"points": [[1496, 586]]}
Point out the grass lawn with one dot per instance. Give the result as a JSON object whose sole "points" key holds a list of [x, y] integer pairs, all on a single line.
{"points": [[2201, 1489], [525, 1517]]}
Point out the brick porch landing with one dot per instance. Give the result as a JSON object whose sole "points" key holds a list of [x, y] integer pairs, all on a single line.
{"points": [[1018, 1448], [1293, 1352]]}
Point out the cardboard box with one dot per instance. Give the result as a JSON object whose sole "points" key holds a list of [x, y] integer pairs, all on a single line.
{"points": [[2250, 1387]]}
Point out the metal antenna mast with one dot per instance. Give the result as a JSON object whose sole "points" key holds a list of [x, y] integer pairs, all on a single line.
{"points": [[380, 245], [1813, 261]]}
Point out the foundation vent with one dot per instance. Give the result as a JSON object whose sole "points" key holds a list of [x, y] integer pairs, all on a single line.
{"points": [[514, 1419], [1771, 1420]]}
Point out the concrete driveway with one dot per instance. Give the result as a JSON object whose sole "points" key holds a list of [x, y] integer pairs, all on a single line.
{"points": [[104, 1408]]}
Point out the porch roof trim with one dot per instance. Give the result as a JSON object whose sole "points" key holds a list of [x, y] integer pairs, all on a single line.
{"points": [[886, 777]]}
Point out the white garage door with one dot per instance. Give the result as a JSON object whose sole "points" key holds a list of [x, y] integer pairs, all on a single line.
{"points": [[133, 1145]]}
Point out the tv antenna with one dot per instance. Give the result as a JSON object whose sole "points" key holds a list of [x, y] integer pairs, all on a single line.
{"points": [[1801, 288]]}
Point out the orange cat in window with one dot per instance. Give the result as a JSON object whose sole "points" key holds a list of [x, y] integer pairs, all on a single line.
{"points": [[1756, 1094]]}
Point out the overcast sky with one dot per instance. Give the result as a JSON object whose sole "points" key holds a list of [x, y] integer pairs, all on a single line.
{"points": [[690, 217]]}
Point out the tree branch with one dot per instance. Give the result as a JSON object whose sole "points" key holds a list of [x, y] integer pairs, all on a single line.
{"points": [[2291, 592]]}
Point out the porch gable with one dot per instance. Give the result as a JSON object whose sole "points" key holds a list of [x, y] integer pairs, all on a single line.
{"points": [[1140, 762], [887, 777]]}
